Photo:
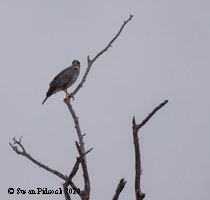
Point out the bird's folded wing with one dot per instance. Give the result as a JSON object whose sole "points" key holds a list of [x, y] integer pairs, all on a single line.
{"points": [[64, 77]]}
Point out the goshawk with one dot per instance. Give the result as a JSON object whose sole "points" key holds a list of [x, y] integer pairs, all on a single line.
{"points": [[64, 80]]}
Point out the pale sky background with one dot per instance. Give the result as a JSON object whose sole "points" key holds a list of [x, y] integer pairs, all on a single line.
{"points": [[163, 53]]}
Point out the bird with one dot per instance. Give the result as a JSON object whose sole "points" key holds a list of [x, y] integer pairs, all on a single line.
{"points": [[64, 80]]}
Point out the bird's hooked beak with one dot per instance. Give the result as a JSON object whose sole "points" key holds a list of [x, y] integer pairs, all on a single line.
{"points": [[75, 62]]}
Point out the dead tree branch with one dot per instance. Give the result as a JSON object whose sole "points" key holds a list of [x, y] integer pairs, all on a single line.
{"points": [[68, 180], [71, 175], [84, 194], [90, 62], [120, 187], [67, 196], [24, 153], [76, 122], [151, 114], [138, 170]]}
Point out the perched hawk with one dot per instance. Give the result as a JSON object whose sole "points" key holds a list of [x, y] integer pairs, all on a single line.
{"points": [[64, 80]]}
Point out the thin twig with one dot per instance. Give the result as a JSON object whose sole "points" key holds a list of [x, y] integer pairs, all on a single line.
{"points": [[88, 151], [120, 187], [151, 114], [75, 168], [72, 174]]}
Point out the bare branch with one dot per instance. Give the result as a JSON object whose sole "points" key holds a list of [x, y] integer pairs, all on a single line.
{"points": [[151, 114], [74, 170], [76, 122], [88, 151], [110, 43], [137, 162], [120, 187], [138, 170], [24, 153], [69, 180], [86, 192], [67, 195], [90, 62], [18, 142], [71, 175]]}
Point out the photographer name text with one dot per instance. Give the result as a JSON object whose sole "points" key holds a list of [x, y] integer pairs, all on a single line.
{"points": [[43, 191]]}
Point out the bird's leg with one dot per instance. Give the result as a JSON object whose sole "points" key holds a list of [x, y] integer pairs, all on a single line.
{"points": [[68, 96]]}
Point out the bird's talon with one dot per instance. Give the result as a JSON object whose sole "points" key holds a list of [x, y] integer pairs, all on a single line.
{"points": [[70, 95]]}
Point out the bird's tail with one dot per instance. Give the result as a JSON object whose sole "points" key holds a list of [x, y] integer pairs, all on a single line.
{"points": [[49, 93], [44, 100]]}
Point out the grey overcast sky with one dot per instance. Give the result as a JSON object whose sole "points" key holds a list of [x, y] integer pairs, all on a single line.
{"points": [[163, 53]]}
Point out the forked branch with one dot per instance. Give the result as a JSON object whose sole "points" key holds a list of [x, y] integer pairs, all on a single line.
{"points": [[138, 170]]}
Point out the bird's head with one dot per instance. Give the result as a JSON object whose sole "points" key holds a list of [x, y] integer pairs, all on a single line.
{"points": [[75, 62]]}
